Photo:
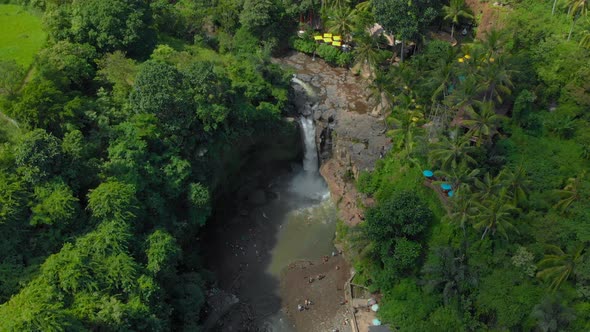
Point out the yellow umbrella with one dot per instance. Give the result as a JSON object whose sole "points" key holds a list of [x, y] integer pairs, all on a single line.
{"points": [[327, 35], [318, 38], [337, 38], [327, 40], [337, 43]]}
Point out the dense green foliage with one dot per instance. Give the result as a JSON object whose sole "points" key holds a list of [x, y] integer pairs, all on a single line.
{"points": [[137, 115], [503, 120], [114, 150]]}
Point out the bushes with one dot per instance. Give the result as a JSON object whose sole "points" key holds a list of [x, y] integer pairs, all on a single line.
{"points": [[334, 56], [331, 54], [303, 45]]}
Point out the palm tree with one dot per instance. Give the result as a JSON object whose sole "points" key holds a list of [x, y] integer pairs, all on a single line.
{"points": [[341, 21], [464, 93], [451, 153], [482, 124], [553, 9], [461, 210], [448, 274], [585, 40], [570, 193], [366, 51], [495, 215], [406, 130], [380, 90], [558, 266], [493, 43], [461, 178], [576, 9], [403, 78], [360, 243], [498, 78], [440, 79], [516, 184], [488, 187], [364, 6], [335, 4], [455, 10]]}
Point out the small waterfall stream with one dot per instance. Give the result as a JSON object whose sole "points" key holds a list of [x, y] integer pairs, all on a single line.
{"points": [[308, 89], [310, 160]]}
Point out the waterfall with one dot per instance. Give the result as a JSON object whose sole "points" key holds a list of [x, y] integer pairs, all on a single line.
{"points": [[308, 89], [310, 159], [309, 182]]}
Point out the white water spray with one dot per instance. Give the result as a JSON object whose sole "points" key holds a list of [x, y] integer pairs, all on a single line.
{"points": [[310, 159]]}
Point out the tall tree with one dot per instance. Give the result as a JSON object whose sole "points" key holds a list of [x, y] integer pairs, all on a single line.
{"points": [[38, 156], [497, 76], [11, 77], [67, 64], [552, 315], [454, 11], [406, 122], [557, 266], [488, 187], [585, 40], [366, 52], [113, 200], [461, 210], [404, 18], [576, 9], [570, 193], [482, 122], [516, 184], [160, 89], [451, 153], [379, 89], [447, 274], [341, 21], [108, 25], [494, 215]]}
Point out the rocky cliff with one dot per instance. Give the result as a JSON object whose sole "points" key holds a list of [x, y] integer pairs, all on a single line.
{"points": [[350, 133]]}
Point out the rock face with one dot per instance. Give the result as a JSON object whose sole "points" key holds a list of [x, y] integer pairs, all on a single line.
{"points": [[350, 133]]}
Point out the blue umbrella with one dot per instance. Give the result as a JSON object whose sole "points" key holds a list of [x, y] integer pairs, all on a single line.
{"points": [[446, 186], [376, 322], [428, 173], [451, 193]]}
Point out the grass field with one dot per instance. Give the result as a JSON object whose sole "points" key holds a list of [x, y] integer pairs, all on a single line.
{"points": [[21, 34]]}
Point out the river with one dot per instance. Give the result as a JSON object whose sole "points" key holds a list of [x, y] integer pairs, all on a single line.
{"points": [[288, 216]]}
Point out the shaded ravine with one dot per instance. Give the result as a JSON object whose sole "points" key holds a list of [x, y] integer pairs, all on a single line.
{"points": [[286, 217]]}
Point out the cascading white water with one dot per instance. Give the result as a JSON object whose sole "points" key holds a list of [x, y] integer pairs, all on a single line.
{"points": [[310, 159], [308, 89], [309, 183]]}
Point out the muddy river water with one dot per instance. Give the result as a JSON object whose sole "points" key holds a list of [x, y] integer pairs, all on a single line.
{"points": [[288, 214], [290, 217]]}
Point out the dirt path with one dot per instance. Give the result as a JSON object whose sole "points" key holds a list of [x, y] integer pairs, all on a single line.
{"points": [[327, 311], [490, 16]]}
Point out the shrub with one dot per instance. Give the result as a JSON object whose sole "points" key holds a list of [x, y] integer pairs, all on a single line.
{"points": [[303, 45], [328, 53]]}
